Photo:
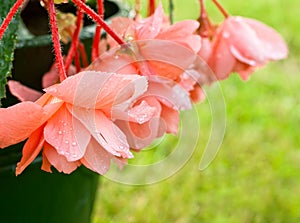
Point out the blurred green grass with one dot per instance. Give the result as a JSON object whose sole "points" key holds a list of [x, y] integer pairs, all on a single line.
{"points": [[256, 174]]}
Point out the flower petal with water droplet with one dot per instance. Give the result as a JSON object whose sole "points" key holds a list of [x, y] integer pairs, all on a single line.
{"points": [[67, 135]]}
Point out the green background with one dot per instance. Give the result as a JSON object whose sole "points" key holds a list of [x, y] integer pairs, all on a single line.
{"points": [[256, 174]]}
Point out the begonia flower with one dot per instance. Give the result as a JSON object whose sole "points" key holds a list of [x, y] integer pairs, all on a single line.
{"points": [[241, 45], [166, 94], [72, 123], [156, 28]]}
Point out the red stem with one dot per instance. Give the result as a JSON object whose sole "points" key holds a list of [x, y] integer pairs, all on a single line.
{"points": [[56, 42], [99, 20], [151, 7], [83, 54], [9, 17], [77, 61], [97, 37], [75, 40], [220, 7], [206, 29]]}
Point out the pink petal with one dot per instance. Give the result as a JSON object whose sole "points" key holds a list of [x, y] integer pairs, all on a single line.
{"points": [[96, 158], [46, 165], [171, 119], [183, 33], [244, 70], [197, 94], [168, 59], [115, 61], [150, 27], [120, 90], [103, 130], [97, 90], [22, 92], [244, 44], [221, 60], [169, 93], [31, 149], [81, 89], [206, 48], [142, 135], [19, 121], [67, 135], [274, 46], [123, 27], [58, 161], [139, 113]]}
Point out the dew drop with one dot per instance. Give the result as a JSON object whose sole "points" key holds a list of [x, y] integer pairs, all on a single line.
{"points": [[67, 142], [59, 132], [122, 147], [116, 57], [226, 35], [252, 63], [74, 143]]}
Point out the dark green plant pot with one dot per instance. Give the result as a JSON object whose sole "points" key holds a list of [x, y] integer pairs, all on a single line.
{"points": [[37, 196]]}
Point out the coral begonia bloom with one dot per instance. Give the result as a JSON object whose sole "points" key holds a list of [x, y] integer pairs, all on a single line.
{"points": [[241, 45], [163, 58], [164, 95], [154, 28], [170, 50], [166, 99], [72, 122]]}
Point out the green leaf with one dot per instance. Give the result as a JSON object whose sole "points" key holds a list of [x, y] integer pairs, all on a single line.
{"points": [[7, 45]]}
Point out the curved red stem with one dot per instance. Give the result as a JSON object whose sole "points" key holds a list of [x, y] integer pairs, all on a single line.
{"points": [[9, 16], [220, 7], [77, 61], [75, 39], [97, 37], [83, 54], [56, 41], [98, 20]]}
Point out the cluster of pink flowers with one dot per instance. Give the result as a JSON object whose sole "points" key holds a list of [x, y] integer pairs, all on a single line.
{"points": [[132, 93]]}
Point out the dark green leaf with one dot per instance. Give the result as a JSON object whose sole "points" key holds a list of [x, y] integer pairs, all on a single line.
{"points": [[7, 45]]}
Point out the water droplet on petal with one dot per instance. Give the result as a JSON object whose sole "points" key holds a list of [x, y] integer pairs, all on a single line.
{"points": [[122, 147], [252, 63], [67, 142], [59, 132], [226, 35], [74, 143]]}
